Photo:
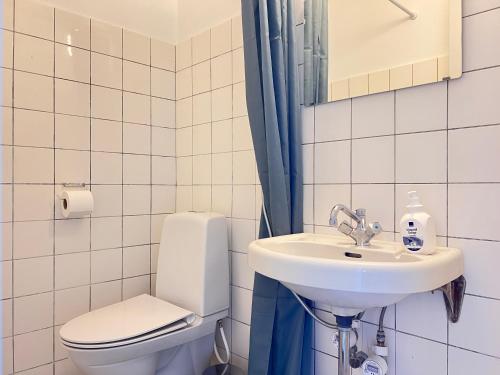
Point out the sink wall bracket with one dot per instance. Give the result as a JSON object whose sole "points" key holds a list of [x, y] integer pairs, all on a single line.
{"points": [[453, 294]]}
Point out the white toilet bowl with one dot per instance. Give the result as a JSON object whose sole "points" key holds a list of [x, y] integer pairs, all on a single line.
{"points": [[171, 334]]}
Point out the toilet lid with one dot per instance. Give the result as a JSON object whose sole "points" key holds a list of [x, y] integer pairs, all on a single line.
{"points": [[124, 320]]}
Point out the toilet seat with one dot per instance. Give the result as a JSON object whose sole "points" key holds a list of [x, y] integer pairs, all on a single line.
{"points": [[127, 322]]}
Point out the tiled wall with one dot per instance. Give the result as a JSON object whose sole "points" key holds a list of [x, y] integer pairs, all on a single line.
{"points": [[215, 159], [83, 101], [442, 140]]}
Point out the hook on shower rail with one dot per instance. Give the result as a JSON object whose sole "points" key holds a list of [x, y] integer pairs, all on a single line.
{"points": [[413, 15]]}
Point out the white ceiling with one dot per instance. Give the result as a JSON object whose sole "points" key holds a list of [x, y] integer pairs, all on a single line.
{"points": [[168, 20]]}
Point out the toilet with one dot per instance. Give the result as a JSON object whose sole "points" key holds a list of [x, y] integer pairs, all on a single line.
{"points": [[173, 332]]}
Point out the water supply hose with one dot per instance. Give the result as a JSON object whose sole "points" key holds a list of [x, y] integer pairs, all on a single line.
{"points": [[226, 346]]}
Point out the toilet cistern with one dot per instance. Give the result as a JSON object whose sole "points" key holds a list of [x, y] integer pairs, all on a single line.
{"points": [[363, 232]]}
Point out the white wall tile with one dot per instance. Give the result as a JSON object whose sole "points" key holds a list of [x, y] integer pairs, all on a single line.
{"points": [[221, 39], [481, 280], [72, 63], [72, 132], [421, 108], [136, 199], [202, 169], [183, 56], [429, 166], [184, 83], [184, 141], [239, 100], [242, 233], [106, 135], [468, 334], [238, 66], [72, 235], [33, 312], [241, 304], [163, 141], [33, 55], [242, 274], [222, 198], [378, 200], [32, 276], [106, 70], [476, 6], [184, 170], [70, 303], [33, 202], [222, 166], [244, 167], [201, 47], [136, 47], [222, 133], [136, 108], [72, 166], [136, 169], [136, 261], [33, 239], [481, 33], [33, 349], [106, 38], [325, 197], [242, 135], [162, 199], [243, 202], [463, 362], [163, 170], [163, 112], [471, 99], [105, 294], [222, 103], [72, 270], [136, 78], [240, 338], [136, 230], [72, 29], [202, 111], [106, 232], [162, 55], [32, 91], [419, 356], [184, 112], [202, 198], [136, 139], [162, 83], [33, 128], [136, 286], [473, 154], [201, 77], [33, 165], [73, 98], [107, 200], [34, 18], [221, 71], [466, 214], [202, 136], [332, 162], [424, 315], [332, 121], [106, 168], [372, 160], [106, 103], [373, 115], [106, 265]]}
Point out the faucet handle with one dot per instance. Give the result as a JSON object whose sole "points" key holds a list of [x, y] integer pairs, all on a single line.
{"points": [[345, 228], [375, 227], [361, 212]]}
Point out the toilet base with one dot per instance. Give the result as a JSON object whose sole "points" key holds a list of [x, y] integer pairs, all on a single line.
{"points": [[191, 358]]}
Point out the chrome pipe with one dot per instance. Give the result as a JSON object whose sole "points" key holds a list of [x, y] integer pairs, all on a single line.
{"points": [[344, 367]]}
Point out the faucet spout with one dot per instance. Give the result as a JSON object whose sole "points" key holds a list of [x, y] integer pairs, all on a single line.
{"points": [[362, 233]]}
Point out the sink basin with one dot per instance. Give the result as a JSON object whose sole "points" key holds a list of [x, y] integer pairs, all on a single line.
{"points": [[332, 270]]}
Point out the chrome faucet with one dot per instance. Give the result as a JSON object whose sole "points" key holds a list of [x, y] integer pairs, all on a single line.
{"points": [[362, 233]]}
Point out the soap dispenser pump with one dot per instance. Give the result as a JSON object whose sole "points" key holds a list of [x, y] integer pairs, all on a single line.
{"points": [[418, 230]]}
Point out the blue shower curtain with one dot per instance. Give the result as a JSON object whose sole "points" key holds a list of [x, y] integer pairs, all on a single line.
{"points": [[281, 333]]}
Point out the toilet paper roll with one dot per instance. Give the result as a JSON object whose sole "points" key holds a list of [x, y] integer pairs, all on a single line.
{"points": [[76, 203]]}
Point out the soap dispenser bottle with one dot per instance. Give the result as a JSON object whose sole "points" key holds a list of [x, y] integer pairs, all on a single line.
{"points": [[418, 230]]}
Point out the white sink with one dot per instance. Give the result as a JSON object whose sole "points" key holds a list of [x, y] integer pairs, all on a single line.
{"points": [[332, 270]]}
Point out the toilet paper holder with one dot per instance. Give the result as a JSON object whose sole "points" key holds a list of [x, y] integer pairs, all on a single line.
{"points": [[74, 184]]}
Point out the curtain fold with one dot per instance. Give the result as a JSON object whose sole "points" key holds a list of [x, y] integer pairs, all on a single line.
{"points": [[281, 333], [315, 51]]}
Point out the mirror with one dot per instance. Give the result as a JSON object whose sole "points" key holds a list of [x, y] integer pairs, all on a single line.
{"points": [[360, 47]]}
